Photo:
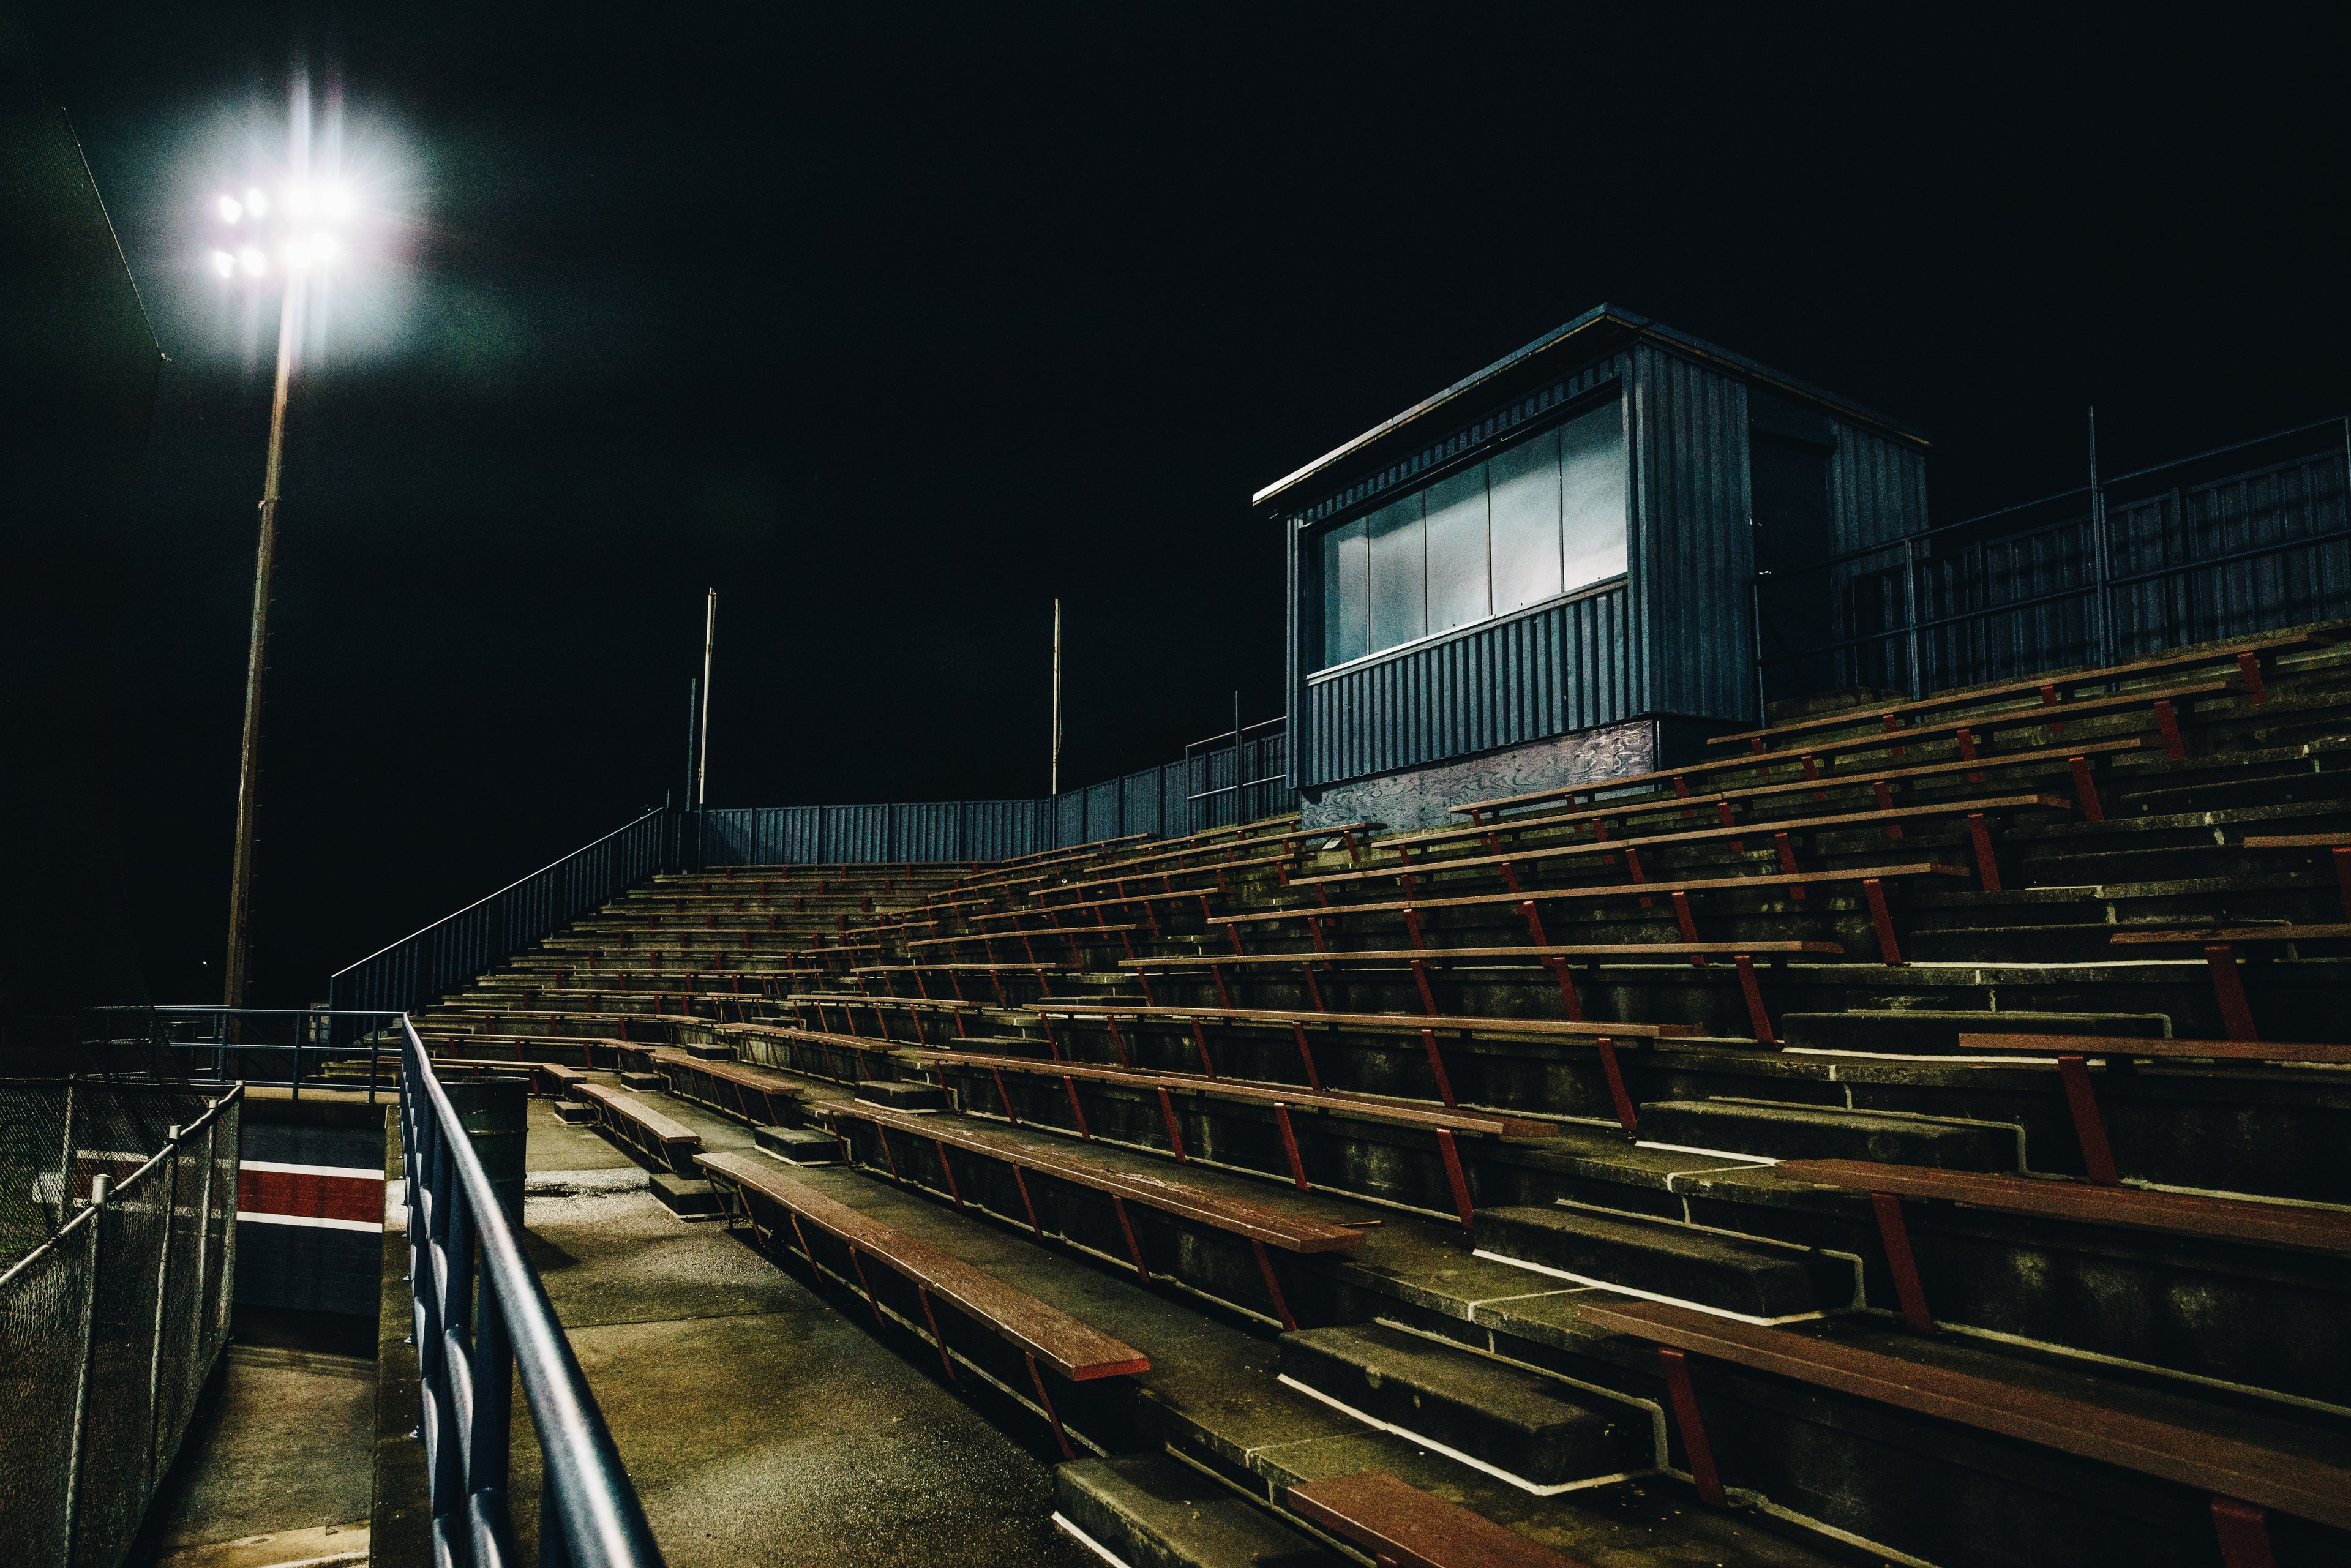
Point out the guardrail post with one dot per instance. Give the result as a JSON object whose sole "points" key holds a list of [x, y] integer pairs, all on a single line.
{"points": [[163, 1314], [204, 1221], [80, 1433]]}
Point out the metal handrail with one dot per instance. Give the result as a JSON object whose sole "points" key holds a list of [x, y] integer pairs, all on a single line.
{"points": [[509, 887], [220, 1045], [410, 972], [588, 1515]]}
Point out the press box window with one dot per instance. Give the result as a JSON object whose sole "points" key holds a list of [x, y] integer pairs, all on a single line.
{"points": [[1537, 520]]}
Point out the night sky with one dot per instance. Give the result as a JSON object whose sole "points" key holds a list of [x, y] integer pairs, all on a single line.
{"points": [[894, 325]]}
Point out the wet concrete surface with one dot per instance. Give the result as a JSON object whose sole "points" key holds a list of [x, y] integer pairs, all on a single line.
{"points": [[282, 1443], [759, 1424]]}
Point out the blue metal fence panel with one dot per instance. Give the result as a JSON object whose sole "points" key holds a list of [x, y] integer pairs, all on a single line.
{"points": [[2248, 539], [928, 830], [1562, 666]]}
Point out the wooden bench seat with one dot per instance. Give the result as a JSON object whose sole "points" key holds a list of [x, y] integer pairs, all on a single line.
{"points": [[643, 1127], [1267, 1229], [2075, 757], [1446, 1125], [913, 1007], [2246, 1480], [1736, 834], [757, 1094], [1553, 956], [1015, 966], [1808, 757], [2248, 657], [2220, 944], [1045, 1336], [819, 1054], [1049, 931], [1871, 879], [1217, 869], [1394, 1522], [1036, 969], [1601, 1036], [2074, 1052]]}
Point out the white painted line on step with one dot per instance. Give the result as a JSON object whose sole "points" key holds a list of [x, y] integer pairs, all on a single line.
{"points": [[356, 1173], [1649, 1295], [1655, 1412], [1713, 1153], [1062, 1522], [1475, 1463], [316, 1222]]}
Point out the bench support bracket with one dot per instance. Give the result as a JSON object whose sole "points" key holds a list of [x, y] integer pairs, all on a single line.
{"points": [[1908, 1289], [2245, 1532], [1683, 1399], [2089, 1126]]}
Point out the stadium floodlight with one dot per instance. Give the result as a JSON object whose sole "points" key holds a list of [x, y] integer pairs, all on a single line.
{"points": [[290, 231]]}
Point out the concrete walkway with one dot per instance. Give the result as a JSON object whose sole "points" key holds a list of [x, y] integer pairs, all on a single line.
{"points": [[760, 1425], [275, 1467]]}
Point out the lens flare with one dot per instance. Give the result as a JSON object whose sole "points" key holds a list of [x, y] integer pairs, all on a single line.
{"points": [[231, 209], [255, 203], [223, 264], [254, 262]]}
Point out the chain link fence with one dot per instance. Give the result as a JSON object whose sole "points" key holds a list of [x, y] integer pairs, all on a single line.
{"points": [[117, 1229]]}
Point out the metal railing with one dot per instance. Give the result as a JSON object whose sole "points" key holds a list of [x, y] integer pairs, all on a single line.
{"points": [[2181, 553], [481, 1317], [1219, 769], [110, 1327], [216, 1045], [456, 948]]}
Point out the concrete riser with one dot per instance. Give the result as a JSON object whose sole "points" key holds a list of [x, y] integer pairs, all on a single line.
{"points": [[1519, 1422], [1754, 1279], [1211, 1262]]}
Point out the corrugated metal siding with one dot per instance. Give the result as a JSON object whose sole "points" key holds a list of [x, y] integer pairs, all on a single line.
{"points": [[2188, 523], [1150, 800], [1877, 488], [1693, 554], [1564, 666]]}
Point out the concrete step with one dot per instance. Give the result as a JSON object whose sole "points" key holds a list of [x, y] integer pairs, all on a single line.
{"points": [[903, 1096], [1788, 1131], [1748, 1276], [642, 1080], [711, 1052], [1522, 1424], [684, 1197], [1148, 1511], [802, 1145], [1936, 1031], [2088, 942]]}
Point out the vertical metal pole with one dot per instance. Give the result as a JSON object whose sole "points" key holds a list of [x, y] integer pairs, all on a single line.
{"points": [[1238, 772], [693, 715], [163, 1314], [702, 743], [1054, 788], [204, 1230], [80, 1434], [1910, 615], [2101, 567], [256, 659]]}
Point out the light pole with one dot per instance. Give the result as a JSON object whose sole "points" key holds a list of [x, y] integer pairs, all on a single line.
{"points": [[282, 239]]}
